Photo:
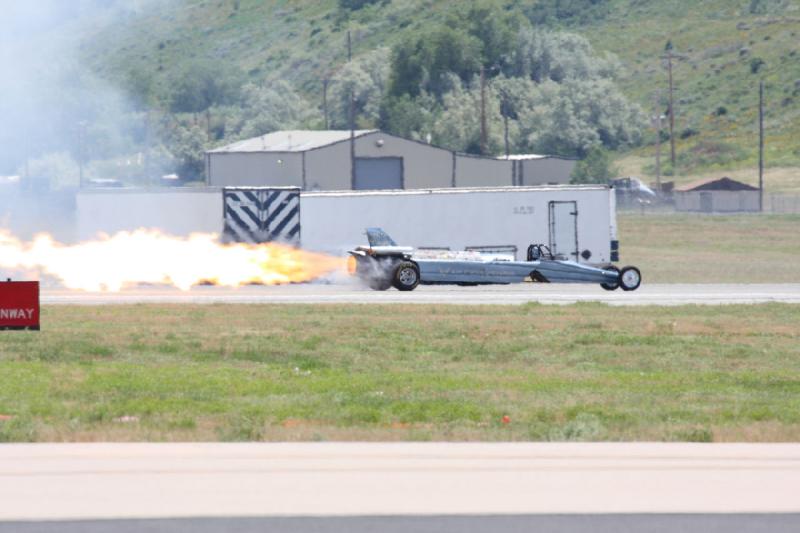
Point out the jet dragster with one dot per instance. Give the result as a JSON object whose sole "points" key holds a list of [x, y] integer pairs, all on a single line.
{"points": [[383, 264]]}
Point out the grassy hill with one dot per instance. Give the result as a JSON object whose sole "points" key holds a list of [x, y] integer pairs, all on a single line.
{"points": [[719, 45], [723, 48]]}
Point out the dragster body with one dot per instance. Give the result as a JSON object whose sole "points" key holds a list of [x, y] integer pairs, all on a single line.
{"points": [[384, 264]]}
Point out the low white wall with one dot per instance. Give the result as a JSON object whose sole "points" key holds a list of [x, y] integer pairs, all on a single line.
{"points": [[173, 211]]}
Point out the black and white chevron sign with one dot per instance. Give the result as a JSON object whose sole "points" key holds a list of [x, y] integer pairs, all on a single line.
{"points": [[261, 214]]}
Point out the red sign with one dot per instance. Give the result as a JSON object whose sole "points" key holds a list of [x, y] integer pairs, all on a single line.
{"points": [[19, 305]]}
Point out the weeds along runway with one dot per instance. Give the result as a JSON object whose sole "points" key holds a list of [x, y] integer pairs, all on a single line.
{"points": [[320, 293]]}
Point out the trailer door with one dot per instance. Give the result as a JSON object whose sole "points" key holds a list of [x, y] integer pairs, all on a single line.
{"points": [[261, 214], [564, 229]]}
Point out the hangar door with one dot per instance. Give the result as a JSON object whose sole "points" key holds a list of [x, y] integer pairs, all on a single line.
{"points": [[379, 173], [261, 214], [564, 229]]}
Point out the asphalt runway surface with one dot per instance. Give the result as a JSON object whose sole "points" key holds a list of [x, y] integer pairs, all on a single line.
{"points": [[360, 487], [607, 523], [315, 293]]}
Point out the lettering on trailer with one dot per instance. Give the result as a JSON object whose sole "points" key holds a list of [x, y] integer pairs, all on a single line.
{"points": [[258, 214]]}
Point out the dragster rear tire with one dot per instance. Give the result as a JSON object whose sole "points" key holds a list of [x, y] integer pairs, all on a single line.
{"points": [[379, 284], [406, 276], [630, 278]]}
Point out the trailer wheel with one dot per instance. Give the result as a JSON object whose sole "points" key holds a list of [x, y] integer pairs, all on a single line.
{"points": [[406, 276], [611, 286], [630, 278]]}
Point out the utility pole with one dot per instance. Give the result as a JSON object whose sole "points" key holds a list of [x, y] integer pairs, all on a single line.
{"points": [[671, 112], [761, 145], [505, 112], [352, 120], [505, 133], [657, 119], [484, 132], [81, 151], [325, 83], [147, 133], [26, 185]]}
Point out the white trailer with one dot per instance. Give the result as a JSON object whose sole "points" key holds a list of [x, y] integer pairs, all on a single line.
{"points": [[577, 222]]}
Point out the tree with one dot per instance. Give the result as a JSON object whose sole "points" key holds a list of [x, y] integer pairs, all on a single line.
{"points": [[188, 147], [483, 36], [53, 171], [494, 28], [412, 118], [559, 56], [267, 108], [570, 118], [354, 5], [458, 127], [141, 89], [366, 79], [202, 85], [424, 63], [596, 167], [551, 12]]}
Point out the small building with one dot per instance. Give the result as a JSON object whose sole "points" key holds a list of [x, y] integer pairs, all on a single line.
{"points": [[323, 160], [717, 195]]}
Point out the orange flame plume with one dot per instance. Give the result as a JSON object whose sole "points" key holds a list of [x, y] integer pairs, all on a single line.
{"points": [[149, 256]]}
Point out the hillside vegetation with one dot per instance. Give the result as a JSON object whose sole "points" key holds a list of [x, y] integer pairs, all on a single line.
{"points": [[724, 48], [210, 71]]}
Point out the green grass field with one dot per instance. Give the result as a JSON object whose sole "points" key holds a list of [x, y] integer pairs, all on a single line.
{"points": [[671, 248], [579, 372]]}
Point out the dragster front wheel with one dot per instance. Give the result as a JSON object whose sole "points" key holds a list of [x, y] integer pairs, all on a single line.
{"points": [[630, 278]]}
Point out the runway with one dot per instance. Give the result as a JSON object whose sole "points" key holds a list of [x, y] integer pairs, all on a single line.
{"points": [[79, 481], [604, 523], [317, 293], [503, 486]]}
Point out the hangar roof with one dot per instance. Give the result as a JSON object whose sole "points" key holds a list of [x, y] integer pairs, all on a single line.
{"points": [[521, 157], [716, 184], [290, 141]]}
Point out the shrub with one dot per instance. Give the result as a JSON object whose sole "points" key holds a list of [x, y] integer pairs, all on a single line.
{"points": [[355, 5], [596, 167]]}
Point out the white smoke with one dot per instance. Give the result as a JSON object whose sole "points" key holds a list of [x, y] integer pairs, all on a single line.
{"points": [[60, 120]]}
